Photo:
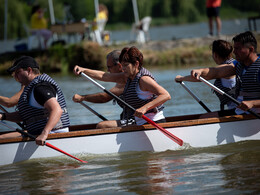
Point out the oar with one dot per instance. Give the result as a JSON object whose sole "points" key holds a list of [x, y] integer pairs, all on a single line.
{"points": [[93, 111], [164, 131], [2, 108], [194, 96], [45, 143], [5, 111], [228, 96]]}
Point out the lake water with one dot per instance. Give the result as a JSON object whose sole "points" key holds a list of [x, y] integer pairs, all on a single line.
{"points": [[226, 169], [229, 27]]}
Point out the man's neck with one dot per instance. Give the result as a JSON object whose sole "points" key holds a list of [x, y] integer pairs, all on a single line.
{"points": [[32, 78], [251, 59]]}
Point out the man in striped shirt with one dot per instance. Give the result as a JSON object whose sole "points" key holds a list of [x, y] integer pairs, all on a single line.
{"points": [[246, 67], [41, 106]]}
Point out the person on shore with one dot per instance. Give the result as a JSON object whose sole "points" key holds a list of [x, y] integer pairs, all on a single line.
{"points": [[246, 68], [113, 66], [39, 24], [222, 54], [141, 91], [12, 101], [212, 9], [41, 106], [99, 23]]}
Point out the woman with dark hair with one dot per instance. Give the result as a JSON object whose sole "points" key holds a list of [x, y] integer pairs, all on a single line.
{"points": [[222, 54], [246, 67], [141, 90]]}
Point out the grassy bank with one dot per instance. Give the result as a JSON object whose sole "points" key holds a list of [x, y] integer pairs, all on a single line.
{"points": [[174, 53]]}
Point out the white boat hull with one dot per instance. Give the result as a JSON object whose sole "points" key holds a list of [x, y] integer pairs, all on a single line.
{"points": [[195, 135]]}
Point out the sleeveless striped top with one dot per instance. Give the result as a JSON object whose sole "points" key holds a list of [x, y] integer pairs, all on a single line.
{"points": [[249, 80], [34, 118], [230, 91], [130, 96]]}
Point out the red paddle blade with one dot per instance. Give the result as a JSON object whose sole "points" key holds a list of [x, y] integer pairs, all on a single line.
{"points": [[164, 131], [59, 150]]}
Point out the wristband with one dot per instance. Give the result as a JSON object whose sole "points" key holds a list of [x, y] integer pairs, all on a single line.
{"points": [[3, 116]]}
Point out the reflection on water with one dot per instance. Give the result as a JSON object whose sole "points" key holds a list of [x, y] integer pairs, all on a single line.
{"points": [[232, 168], [242, 168], [41, 177]]}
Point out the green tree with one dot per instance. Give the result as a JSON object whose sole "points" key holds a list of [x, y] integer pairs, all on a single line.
{"points": [[81, 9], [145, 8], [162, 8], [242, 5]]}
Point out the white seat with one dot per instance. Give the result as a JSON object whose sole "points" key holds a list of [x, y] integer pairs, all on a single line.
{"points": [[142, 30], [33, 35]]}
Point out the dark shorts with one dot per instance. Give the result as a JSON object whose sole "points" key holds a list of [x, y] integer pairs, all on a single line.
{"points": [[124, 123], [227, 112], [213, 11]]}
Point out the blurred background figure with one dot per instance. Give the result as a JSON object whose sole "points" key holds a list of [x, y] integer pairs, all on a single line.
{"points": [[99, 24], [68, 17], [213, 8], [142, 29], [39, 24]]}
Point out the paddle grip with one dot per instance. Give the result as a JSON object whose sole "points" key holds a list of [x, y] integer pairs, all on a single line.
{"points": [[237, 102], [228, 96]]}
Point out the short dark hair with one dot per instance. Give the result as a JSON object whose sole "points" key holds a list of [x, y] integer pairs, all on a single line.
{"points": [[246, 38], [115, 56], [23, 62]]}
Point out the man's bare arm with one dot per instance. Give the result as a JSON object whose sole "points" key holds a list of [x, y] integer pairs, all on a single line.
{"points": [[220, 71], [99, 97], [101, 75], [12, 101]]}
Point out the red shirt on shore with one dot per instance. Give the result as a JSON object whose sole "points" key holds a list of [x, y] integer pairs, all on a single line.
{"points": [[213, 3]]}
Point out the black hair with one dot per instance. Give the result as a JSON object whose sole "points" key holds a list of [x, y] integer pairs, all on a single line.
{"points": [[246, 38], [222, 48], [35, 8]]}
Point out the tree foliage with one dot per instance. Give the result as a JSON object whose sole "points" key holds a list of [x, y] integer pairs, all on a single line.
{"points": [[120, 11]]}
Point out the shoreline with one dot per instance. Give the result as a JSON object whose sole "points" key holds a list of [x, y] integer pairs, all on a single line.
{"points": [[179, 53]]}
